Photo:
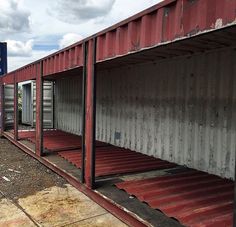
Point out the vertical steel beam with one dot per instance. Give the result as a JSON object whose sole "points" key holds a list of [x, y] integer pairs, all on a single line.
{"points": [[90, 127], [233, 128], [16, 113], [94, 71], [39, 111], [234, 212], [85, 46], [53, 104]]}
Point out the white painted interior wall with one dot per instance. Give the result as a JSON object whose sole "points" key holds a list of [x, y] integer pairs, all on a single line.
{"points": [[182, 110]]}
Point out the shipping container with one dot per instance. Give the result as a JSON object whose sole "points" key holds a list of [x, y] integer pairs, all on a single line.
{"points": [[144, 109]]}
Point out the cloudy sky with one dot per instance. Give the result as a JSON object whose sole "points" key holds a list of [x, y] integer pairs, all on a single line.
{"points": [[34, 29]]}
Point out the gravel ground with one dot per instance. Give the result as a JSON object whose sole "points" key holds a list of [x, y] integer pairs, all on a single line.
{"points": [[32, 195], [26, 175]]}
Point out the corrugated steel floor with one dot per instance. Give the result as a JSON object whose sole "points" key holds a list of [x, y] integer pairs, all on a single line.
{"points": [[56, 140], [194, 198], [112, 160], [26, 134]]}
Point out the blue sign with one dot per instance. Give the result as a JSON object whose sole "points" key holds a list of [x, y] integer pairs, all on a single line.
{"points": [[3, 58]]}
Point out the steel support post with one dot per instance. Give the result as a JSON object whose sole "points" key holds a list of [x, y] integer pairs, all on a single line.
{"points": [[53, 104], [83, 111], [39, 111], [234, 212], [16, 113], [90, 124]]}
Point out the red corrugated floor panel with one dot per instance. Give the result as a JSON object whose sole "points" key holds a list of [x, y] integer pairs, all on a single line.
{"points": [[194, 198], [56, 140], [60, 143], [26, 134], [112, 160]]}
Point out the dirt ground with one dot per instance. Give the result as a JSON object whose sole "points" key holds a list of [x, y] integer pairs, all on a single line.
{"points": [[26, 175], [32, 195]]}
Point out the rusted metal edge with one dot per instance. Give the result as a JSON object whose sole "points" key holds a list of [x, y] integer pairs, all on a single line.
{"points": [[121, 213]]}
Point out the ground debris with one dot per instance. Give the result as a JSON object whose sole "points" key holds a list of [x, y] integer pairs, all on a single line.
{"points": [[27, 176], [15, 171], [5, 178]]}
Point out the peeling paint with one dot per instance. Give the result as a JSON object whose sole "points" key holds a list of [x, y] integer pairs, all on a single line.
{"points": [[218, 23]]}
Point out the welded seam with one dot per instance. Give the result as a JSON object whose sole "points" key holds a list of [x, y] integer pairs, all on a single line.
{"points": [[20, 208], [84, 219]]}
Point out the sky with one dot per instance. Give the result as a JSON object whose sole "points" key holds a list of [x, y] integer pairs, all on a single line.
{"points": [[36, 28]]}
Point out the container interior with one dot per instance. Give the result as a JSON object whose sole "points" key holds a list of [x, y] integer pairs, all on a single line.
{"points": [[180, 110]]}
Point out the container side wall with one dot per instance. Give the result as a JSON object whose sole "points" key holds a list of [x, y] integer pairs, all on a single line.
{"points": [[181, 110], [68, 105], [47, 104], [26, 104], [9, 106]]}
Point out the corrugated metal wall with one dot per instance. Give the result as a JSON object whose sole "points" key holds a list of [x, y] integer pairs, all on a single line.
{"points": [[47, 103], [180, 110], [27, 113], [9, 106], [68, 104]]}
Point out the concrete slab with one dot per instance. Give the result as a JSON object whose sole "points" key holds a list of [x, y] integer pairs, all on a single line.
{"points": [[107, 220], [12, 216], [57, 206]]}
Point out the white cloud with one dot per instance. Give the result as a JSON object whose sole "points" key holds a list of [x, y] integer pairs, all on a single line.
{"points": [[69, 39], [74, 11], [19, 49], [13, 18], [122, 9], [17, 62]]}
